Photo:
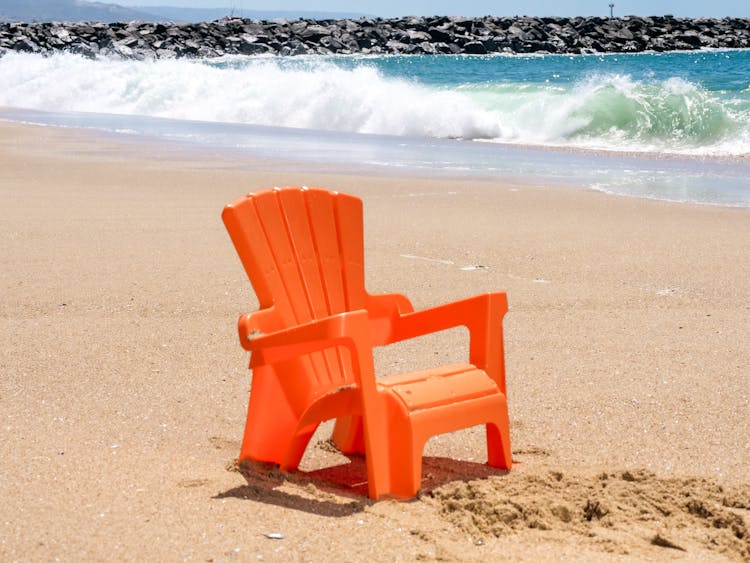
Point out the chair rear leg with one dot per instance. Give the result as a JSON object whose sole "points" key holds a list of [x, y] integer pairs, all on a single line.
{"points": [[348, 436]]}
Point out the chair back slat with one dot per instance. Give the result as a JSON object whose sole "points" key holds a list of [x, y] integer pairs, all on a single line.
{"points": [[326, 239], [349, 219]]}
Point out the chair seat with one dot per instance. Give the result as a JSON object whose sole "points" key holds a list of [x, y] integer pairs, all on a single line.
{"points": [[439, 386]]}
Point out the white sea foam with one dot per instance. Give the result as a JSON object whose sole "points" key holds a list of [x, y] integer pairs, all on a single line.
{"points": [[608, 111], [316, 95]]}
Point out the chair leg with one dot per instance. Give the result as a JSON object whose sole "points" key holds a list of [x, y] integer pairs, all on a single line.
{"points": [[498, 445], [406, 469], [405, 447], [348, 436], [261, 441], [296, 449]]}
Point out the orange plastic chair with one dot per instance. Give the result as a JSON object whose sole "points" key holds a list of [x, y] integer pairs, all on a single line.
{"points": [[312, 339]]}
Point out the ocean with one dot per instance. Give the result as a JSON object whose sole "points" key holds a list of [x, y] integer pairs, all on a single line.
{"points": [[672, 126]]}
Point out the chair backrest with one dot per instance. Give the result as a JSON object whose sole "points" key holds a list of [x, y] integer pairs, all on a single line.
{"points": [[303, 250]]}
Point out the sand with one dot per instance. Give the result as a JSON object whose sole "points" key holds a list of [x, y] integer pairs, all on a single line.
{"points": [[123, 387]]}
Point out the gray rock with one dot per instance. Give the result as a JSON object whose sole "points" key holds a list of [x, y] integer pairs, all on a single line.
{"points": [[475, 48], [411, 35]]}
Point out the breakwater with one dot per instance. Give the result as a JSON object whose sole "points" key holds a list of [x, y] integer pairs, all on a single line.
{"points": [[400, 36]]}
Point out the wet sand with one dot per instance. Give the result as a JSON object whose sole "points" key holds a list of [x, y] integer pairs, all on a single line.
{"points": [[123, 387]]}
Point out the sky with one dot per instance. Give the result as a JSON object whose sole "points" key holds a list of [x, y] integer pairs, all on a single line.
{"points": [[395, 8]]}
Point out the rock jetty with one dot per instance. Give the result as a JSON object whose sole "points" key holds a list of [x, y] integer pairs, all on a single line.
{"points": [[401, 36]]}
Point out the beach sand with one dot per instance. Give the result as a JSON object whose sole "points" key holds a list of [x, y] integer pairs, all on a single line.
{"points": [[123, 387]]}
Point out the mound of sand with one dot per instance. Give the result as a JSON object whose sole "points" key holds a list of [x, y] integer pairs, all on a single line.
{"points": [[626, 512]]}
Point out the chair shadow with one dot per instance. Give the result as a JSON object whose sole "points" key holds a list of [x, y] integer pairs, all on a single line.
{"points": [[341, 490]]}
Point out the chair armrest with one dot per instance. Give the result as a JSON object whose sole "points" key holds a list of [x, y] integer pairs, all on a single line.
{"points": [[388, 305], [384, 309], [350, 329], [481, 314], [256, 323], [473, 313]]}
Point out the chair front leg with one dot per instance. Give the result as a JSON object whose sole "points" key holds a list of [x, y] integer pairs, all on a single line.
{"points": [[261, 441]]}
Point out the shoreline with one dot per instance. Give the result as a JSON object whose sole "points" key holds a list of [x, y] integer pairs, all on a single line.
{"points": [[123, 388], [656, 176], [11, 115]]}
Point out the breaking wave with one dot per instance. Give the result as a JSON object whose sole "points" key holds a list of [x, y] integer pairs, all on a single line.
{"points": [[610, 111]]}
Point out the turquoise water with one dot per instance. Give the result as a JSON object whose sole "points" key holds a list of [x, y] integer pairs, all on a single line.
{"points": [[715, 70], [670, 126]]}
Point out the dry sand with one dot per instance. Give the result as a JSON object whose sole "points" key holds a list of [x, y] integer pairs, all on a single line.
{"points": [[123, 387]]}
